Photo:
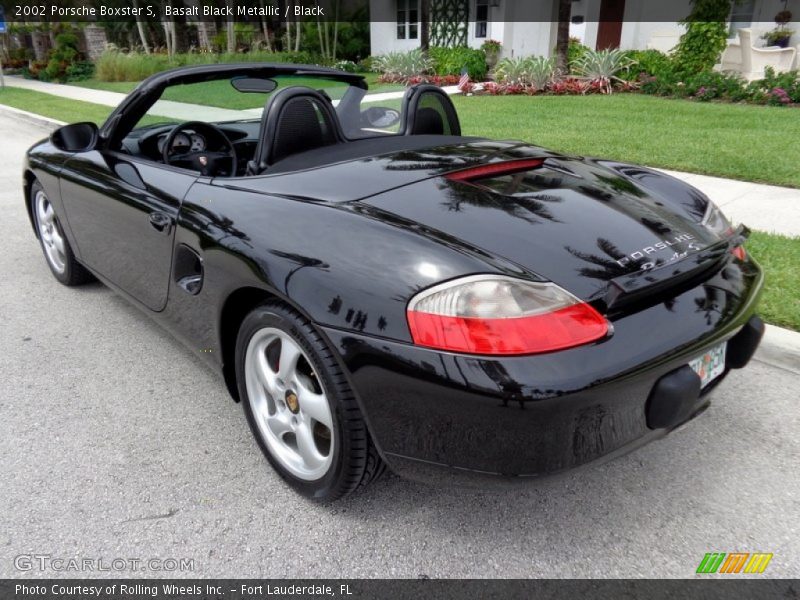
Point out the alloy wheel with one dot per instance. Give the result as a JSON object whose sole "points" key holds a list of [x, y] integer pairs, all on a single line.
{"points": [[288, 402], [50, 232]]}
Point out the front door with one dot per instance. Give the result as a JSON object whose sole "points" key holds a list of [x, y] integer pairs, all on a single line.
{"points": [[122, 212], [609, 30]]}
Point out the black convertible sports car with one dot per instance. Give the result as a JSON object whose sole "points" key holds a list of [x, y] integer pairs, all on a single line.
{"points": [[378, 289]]}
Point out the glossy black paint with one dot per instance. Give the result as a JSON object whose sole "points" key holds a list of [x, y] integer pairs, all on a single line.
{"points": [[349, 243]]}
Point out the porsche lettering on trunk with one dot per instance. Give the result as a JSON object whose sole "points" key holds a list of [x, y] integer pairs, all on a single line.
{"points": [[660, 246]]}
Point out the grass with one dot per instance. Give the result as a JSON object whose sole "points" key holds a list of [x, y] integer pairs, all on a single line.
{"points": [[54, 107], [125, 87], [780, 257], [221, 94], [61, 109], [751, 143]]}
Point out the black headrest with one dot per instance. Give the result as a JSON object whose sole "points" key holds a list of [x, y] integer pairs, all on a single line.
{"points": [[428, 121], [427, 110], [295, 119]]}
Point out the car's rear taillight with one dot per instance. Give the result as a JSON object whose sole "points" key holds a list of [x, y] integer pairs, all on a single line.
{"points": [[494, 314]]}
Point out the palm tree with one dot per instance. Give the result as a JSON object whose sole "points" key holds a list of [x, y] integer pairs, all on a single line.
{"points": [[425, 24], [140, 27], [231, 31], [562, 37]]}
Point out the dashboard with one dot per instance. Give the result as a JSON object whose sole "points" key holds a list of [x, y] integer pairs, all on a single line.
{"points": [[183, 142], [148, 142]]}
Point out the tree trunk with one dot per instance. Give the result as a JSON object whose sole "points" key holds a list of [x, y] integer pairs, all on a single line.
{"points": [[562, 37], [167, 25], [140, 27], [231, 31], [322, 49], [425, 24], [335, 28], [298, 36], [265, 30], [289, 36]]}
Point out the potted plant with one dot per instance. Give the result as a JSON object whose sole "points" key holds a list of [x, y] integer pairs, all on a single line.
{"points": [[780, 35], [492, 50]]}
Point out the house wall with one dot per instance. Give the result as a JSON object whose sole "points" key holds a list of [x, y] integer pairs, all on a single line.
{"points": [[523, 28], [526, 28], [383, 29]]}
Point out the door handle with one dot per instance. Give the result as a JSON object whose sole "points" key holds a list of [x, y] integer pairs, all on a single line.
{"points": [[160, 221]]}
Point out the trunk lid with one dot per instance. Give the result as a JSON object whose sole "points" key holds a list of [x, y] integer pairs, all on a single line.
{"points": [[573, 221]]}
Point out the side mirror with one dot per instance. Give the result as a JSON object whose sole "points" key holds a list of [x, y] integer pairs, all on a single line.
{"points": [[378, 116], [77, 137]]}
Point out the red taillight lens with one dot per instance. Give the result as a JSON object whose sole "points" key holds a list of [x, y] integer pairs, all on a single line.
{"points": [[739, 252], [498, 315]]}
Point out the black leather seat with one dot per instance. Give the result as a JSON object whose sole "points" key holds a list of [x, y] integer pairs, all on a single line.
{"points": [[427, 110], [295, 119]]}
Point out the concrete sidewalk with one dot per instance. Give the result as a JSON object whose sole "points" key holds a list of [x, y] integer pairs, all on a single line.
{"points": [[764, 207]]}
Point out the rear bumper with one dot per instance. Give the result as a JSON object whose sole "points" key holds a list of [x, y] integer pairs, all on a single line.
{"points": [[538, 415]]}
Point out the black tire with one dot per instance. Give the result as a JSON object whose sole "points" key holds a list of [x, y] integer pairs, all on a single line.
{"points": [[355, 460], [72, 273]]}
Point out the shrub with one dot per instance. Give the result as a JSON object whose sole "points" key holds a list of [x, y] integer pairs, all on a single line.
{"points": [[440, 80], [710, 85], [365, 64], [451, 61], [646, 63], [536, 71], [575, 52], [115, 65], [62, 57], [400, 66], [17, 58], [80, 71], [348, 66], [789, 81], [491, 46], [570, 86], [706, 36], [511, 70], [600, 67]]}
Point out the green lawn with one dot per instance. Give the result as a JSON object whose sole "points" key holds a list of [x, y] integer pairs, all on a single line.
{"points": [[221, 94], [54, 106], [780, 258], [61, 109], [752, 143]]}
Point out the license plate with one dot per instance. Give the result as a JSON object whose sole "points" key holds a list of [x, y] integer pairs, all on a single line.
{"points": [[711, 365]]}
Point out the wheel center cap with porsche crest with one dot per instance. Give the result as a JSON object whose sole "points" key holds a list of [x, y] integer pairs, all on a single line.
{"points": [[292, 401]]}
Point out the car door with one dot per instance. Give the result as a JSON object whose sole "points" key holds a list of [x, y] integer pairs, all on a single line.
{"points": [[122, 212]]}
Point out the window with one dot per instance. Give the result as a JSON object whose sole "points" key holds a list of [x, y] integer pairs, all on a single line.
{"points": [[407, 20], [481, 18], [741, 16]]}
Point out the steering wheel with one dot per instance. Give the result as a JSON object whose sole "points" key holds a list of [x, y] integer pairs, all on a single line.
{"points": [[220, 161]]}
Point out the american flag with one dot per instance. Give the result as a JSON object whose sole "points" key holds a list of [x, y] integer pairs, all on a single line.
{"points": [[463, 83]]}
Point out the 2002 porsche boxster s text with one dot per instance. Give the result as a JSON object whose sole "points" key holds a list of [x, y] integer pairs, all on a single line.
{"points": [[378, 289]]}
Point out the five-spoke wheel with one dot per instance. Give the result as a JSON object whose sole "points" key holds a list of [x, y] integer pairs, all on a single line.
{"points": [[49, 232], [56, 248], [300, 406], [289, 403]]}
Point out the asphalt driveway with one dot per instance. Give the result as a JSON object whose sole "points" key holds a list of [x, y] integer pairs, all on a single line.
{"points": [[117, 443]]}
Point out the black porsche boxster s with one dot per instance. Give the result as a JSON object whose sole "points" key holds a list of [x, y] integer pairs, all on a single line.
{"points": [[378, 289]]}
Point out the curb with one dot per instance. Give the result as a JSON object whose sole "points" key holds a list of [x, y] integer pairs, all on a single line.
{"points": [[30, 117], [780, 348]]}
